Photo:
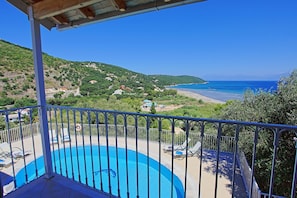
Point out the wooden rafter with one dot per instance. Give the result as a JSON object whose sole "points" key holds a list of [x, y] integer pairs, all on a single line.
{"points": [[121, 4], [50, 8], [87, 12], [32, 1], [60, 19]]}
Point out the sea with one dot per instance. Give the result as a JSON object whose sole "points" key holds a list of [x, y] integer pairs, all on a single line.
{"points": [[228, 90]]}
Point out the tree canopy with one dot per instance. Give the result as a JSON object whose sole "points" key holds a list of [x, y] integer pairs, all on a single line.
{"points": [[279, 107]]}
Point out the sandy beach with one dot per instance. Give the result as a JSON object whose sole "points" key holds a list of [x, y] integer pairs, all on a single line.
{"points": [[184, 93], [198, 96]]}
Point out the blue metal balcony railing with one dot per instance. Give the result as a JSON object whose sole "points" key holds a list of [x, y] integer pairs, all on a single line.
{"points": [[123, 153]]}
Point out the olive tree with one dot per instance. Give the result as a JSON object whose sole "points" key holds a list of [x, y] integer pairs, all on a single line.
{"points": [[279, 107]]}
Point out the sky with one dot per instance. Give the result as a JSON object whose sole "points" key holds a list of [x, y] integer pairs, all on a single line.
{"points": [[213, 40]]}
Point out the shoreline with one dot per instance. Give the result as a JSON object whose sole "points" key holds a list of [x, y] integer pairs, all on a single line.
{"points": [[197, 96]]}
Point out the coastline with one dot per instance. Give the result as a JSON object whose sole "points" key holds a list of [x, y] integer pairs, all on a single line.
{"points": [[222, 91], [197, 96]]}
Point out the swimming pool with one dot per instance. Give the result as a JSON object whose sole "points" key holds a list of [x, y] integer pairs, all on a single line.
{"points": [[90, 165]]}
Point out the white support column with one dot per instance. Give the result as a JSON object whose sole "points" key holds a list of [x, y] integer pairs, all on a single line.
{"points": [[40, 89]]}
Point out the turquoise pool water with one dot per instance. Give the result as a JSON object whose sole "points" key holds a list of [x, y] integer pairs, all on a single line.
{"points": [[84, 164]]}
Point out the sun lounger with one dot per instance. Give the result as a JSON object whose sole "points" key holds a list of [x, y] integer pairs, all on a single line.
{"points": [[4, 149], [20, 153], [53, 136], [4, 162], [65, 137], [168, 148], [188, 152], [15, 152]]}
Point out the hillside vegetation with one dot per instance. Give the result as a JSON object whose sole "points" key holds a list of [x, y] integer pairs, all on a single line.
{"points": [[67, 82], [63, 77], [172, 80]]}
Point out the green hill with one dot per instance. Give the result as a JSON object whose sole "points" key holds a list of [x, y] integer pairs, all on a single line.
{"points": [[78, 78], [172, 80]]}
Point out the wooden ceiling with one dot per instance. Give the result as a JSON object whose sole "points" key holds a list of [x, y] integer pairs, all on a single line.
{"points": [[64, 14]]}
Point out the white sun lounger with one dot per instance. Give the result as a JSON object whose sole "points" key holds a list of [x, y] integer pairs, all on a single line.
{"points": [[65, 137], [4, 162], [53, 136], [168, 148], [20, 153], [190, 152], [16, 152]]}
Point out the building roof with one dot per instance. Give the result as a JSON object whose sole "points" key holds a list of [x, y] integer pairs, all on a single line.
{"points": [[72, 13]]}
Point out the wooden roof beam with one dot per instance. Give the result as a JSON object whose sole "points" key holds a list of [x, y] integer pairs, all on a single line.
{"points": [[32, 1], [87, 12], [60, 19], [50, 8], [121, 4]]}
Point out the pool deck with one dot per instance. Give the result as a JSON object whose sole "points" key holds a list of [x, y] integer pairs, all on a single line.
{"points": [[208, 167]]}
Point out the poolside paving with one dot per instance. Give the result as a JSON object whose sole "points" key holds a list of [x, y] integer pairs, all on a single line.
{"points": [[207, 176]]}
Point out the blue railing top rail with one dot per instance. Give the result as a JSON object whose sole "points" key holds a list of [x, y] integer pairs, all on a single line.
{"points": [[4, 111], [209, 120]]}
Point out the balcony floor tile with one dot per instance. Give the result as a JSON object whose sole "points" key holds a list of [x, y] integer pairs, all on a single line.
{"points": [[55, 187]]}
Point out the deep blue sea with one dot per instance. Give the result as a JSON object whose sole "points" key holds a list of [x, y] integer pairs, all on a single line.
{"points": [[228, 90]]}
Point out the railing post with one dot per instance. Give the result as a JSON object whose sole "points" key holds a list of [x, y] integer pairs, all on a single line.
{"points": [[235, 159], [275, 145], [40, 90], [295, 172], [1, 189]]}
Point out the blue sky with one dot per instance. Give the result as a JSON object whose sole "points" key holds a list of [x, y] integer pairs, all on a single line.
{"points": [[215, 40]]}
